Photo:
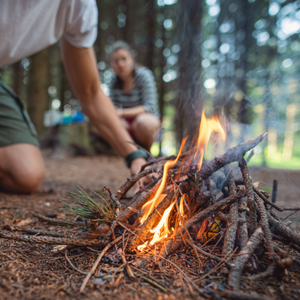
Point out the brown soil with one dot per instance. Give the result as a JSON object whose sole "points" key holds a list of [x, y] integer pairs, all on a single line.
{"points": [[30, 271]]}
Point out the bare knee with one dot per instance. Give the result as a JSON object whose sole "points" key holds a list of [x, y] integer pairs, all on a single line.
{"points": [[22, 168], [29, 179], [146, 124]]}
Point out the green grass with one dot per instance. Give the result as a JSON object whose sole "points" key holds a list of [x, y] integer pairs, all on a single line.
{"points": [[82, 205]]}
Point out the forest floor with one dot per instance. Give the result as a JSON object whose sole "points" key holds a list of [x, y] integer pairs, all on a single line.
{"points": [[31, 271]]}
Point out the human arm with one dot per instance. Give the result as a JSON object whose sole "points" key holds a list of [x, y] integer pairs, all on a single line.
{"points": [[148, 91], [81, 67], [131, 113]]}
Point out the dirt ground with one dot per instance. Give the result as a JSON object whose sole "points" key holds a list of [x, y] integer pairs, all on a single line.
{"points": [[31, 271]]}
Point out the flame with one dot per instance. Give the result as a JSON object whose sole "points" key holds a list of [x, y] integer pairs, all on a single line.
{"points": [[157, 197], [162, 229], [207, 127], [199, 145]]}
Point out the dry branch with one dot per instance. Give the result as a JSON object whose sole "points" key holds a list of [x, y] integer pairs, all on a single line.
{"points": [[230, 235], [231, 155], [174, 241], [250, 195], [241, 260], [52, 240]]}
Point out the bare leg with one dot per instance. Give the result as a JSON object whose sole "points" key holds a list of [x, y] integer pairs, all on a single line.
{"points": [[22, 168], [145, 128]]}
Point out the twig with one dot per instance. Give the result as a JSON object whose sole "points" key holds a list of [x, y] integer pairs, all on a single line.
{"points": [[242, 296], [230, 235], [152, 282], [59, 221], [267, 273], [93, 269], [116, 213], [66, 256], [186, 277], [250, 195], [130, 183], [274, 191], [172, 246], [240, 262], [265, 225], [52, 240], [128, 269], [231, 155], [273, 204]]}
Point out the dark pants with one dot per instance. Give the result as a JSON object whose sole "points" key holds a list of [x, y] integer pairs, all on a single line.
{"points": [[15, 124]]}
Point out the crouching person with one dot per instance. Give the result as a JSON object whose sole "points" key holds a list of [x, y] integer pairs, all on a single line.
{"points": [[74, 23]]}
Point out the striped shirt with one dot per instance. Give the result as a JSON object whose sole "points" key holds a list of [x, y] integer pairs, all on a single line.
{"points": [[144, 92]]}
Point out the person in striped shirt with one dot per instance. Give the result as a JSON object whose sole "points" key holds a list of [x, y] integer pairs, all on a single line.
{"points": [[133, 92]]}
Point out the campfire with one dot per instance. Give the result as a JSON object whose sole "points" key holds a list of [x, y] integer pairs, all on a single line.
{"points": [[210, 207]]}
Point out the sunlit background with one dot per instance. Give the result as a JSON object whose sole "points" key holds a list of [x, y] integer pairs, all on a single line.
{"points": [[248, 55]]}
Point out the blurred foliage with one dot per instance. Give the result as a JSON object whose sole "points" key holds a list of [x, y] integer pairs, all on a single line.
{"points": [[249, 54]]}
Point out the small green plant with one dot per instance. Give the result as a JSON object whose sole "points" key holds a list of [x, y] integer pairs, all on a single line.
{"points": [[82, 205]]}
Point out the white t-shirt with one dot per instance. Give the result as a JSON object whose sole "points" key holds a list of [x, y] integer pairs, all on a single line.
{"points": [[28, 26]]}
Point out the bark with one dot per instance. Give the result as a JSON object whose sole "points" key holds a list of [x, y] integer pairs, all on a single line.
{"points": [[176, 240], [287, 233], [241, 260], [190, 100], [230, 235], [231, 155], [250, 195]]}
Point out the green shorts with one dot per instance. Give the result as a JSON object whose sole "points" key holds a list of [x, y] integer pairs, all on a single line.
{"points": [[15, 124]]}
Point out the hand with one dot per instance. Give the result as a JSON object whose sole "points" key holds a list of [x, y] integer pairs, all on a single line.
{"points": [[135, 169], [120, 112]]}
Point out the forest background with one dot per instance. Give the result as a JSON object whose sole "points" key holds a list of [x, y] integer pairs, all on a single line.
{"points": [[236, 57]]}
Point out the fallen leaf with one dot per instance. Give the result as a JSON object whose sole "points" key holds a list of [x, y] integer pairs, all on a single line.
{"points": [[23, 222]]}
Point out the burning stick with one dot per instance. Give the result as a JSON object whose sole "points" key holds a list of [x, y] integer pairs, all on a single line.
{"points": [[231, 155], [172, 246]]}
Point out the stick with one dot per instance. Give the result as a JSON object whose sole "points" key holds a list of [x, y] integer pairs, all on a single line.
{"points": [[231, 155], [140, 201], [116, 213], [287, 233], [130, 183], [66, 256], [172, 245], [52, 240], [242, 296], [265, 226], [250, 195], [59, 221], [93, 269], [128, 269], [259, 193], [269, 272], [274, 191], [240, 262], [230, 235]]}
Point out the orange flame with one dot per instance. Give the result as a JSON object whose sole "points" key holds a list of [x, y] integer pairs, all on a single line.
{"points": [[207, 127], [157, 197], [162, 230]]}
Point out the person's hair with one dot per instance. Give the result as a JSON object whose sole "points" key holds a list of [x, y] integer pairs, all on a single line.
{"points": [[118, 45]]}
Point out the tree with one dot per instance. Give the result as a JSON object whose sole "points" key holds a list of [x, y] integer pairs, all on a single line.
{"points": [[189, 101], [37, 100]]}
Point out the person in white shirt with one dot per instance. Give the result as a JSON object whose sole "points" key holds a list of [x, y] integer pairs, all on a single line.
{"points": [[27, 27]]}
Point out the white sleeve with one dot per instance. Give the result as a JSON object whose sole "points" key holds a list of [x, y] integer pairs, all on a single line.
{"points": [[81, 23]]}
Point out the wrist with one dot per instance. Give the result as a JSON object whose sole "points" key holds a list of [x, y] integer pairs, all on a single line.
{"points": [[135, 155]]}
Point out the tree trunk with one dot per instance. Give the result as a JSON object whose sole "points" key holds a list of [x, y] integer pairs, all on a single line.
{"points": [[37, 102], [189, 101], [150, 34]]}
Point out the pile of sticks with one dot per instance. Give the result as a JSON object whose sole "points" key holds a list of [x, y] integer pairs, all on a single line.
{"points": [[249, 224]]}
